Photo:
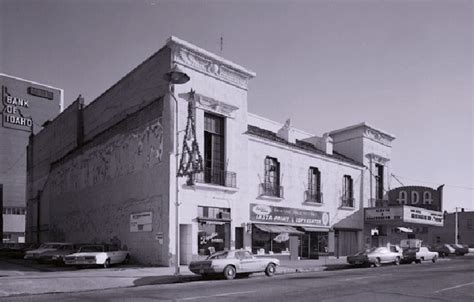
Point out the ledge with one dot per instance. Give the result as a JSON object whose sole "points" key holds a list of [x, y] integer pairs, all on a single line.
{"points": [[346, 208], [313, 203], [212, 187], [271, 198]]}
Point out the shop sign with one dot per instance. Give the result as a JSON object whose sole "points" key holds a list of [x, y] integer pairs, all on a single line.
{"points": [[141, 222], [265, 213], [13, 112], [384, 214], [417, 196], [422, 216]]}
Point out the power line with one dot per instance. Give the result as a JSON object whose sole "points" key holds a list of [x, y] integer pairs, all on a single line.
{"points": [[435, 183]]}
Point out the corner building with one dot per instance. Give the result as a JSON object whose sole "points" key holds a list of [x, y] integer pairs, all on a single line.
{"points": [[266, 186]]}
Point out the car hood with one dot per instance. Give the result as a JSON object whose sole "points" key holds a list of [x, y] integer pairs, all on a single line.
{"points": [[40, 251], [86, 254]]}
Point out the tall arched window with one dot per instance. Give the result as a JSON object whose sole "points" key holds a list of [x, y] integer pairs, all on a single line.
{"points": [[314, 185], [271, 185]]}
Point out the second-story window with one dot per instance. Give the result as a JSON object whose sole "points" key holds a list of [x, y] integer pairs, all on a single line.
{"points": [[379, 182], [314, 185], [214, 151], [347, 192], [271, 185]]}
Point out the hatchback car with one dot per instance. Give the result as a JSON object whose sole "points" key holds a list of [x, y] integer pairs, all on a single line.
{"points": [[233, 262]]}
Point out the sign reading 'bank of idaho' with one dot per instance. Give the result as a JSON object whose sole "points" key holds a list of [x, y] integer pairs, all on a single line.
{"points": [[14, 112]]}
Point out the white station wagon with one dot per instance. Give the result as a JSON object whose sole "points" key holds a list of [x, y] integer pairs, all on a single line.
{"points": [[98, 254]]}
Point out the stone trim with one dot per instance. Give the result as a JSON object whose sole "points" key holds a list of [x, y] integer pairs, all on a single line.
{"points": [[191, 56]]}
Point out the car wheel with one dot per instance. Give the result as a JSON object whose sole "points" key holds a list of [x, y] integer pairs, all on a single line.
{"points": [[270, 270], [229, 272], [107, 263], [377, 262], [126, 260], [397, 261], [435, 258]]}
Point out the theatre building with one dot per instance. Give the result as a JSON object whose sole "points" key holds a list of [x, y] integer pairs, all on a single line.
{"points": [[108, 171], [25, 107]]}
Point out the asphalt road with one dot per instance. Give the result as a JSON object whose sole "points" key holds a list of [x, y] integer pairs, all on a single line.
{"points": [[444, 281]]}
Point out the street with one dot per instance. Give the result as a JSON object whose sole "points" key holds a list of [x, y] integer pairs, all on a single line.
{"points": [[451, 280]]}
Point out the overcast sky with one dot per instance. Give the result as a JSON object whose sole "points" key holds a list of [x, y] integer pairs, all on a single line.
{"points": [[402, 66]]}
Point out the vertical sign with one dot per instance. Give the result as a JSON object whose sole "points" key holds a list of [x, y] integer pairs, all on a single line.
{"points": [[1, 207]]}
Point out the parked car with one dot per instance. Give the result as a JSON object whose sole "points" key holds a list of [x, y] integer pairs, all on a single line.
{"points": [[444, 250], [98, 254], [57, 256], [460, 249], [45, 247], [230, 263], [409, 255], [424, 254], [376, 256]]}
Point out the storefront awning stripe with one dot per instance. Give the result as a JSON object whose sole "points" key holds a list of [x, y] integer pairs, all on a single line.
{"points": [[313, 229], [277, 229]]}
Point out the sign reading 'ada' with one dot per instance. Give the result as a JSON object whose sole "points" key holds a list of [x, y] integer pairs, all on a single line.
{"points": [[417, 196]]}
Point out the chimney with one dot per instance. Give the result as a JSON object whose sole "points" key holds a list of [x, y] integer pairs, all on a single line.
{"points": [[287, 133], [324, 143]]}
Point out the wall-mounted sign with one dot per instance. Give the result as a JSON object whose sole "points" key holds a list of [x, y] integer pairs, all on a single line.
{"points": [[14, 112], [422, 216], [141, 222], [387, 214], [417, 196], [265, 213], [41, 93]]}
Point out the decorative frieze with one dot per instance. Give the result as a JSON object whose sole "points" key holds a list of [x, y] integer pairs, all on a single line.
{"points": [[201, 60], [378, 136], [210, 104]]}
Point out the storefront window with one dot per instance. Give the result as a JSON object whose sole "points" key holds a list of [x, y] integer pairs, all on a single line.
{"points": [[269, 242], [214, 230]]}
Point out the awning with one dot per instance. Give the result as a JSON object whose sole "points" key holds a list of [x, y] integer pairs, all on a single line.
{"points": [[405, 230], [278, 229], [313, 229]]}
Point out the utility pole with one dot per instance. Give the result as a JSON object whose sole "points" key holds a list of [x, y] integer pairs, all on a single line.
{"points": [[456, 227]]}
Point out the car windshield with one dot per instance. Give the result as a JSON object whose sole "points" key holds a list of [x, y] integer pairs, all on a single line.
{"points": [[91, 249], [218, 255]]}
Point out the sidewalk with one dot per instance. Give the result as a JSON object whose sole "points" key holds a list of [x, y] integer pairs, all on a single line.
{"points": [[29, 282]]}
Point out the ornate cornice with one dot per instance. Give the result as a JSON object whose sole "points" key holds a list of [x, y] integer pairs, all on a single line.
{"points": [[378, 136], [191, 56], [377, 158], [210, 104]]}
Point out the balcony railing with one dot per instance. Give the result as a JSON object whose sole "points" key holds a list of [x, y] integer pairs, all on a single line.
{"points": [[311, 196], [347, 202], [217, 177], [270, 189]]}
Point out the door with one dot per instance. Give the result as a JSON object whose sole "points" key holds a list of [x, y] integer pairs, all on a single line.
{"points": [[239, 238]]}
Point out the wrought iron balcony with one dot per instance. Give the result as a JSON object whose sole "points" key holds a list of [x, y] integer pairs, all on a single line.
{"points": [[271, 189], [311, 196], [347, 202], [217, 177]]}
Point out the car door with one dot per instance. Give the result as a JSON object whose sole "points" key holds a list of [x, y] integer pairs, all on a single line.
{"points": [[247, 262]]}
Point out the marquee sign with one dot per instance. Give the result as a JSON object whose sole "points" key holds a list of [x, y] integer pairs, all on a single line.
{"points": [[397, 215], [14, 112], [417, 196], [265, 213]]}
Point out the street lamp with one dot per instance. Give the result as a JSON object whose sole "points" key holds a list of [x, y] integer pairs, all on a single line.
{"points": [[176, 76]]}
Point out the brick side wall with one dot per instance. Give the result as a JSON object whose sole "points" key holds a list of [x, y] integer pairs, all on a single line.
{"points": [[137, 89], [93, 191]]}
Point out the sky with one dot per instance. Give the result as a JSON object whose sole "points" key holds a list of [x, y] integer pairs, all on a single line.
{"points": [[405, 67]]}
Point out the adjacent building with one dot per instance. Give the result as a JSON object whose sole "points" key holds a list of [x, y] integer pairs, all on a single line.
{"points": [[25, 107], [106, 171]]}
